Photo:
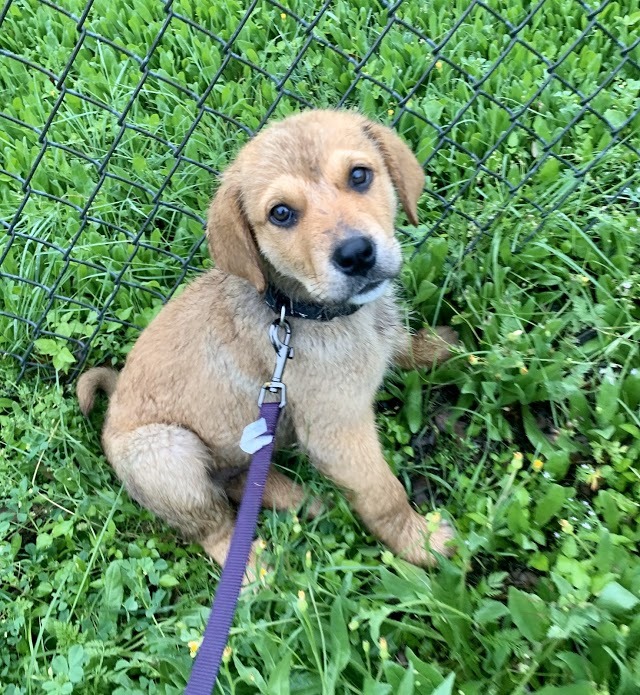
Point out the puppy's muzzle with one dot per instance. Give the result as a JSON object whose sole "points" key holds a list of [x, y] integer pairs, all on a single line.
{"points": [[355, 256]]}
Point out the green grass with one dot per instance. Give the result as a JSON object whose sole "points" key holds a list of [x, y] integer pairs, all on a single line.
{"points": [[97, 596]]}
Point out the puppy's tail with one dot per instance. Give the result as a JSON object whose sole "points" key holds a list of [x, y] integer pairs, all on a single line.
{"points": [[98, 378]]}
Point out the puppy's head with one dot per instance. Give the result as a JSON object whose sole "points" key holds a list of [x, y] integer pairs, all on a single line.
{"points": [[309, 205]]}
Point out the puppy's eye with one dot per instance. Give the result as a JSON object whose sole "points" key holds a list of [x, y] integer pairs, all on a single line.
{"points": [[360, 179], [283, 216]]}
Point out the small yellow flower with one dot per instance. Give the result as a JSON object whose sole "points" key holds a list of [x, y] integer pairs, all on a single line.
{"points": [[194, 645], [263, 572], [438, 65], [296, 528], [524, 370], [433, 521], [584, 279], [473, 359], [514, 335], [537, 465], [390, 112], [226, 655], [516, 461], [302, 601], [566, 527], [283, 16], [594, 479], [384, 649]]}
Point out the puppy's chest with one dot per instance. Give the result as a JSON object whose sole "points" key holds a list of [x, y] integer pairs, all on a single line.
{"points": [[354, 357]]}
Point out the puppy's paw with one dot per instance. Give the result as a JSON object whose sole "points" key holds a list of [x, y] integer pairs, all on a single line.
{"points": [[421, 534], [448, 335], [440, 535], [313, 508], [433, 345]]}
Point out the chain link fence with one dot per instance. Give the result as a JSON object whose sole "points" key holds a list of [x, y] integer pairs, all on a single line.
{"points": [[115, 121]]}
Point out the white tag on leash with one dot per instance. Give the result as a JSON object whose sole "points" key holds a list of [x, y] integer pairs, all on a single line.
{"points": [[254, 437]]}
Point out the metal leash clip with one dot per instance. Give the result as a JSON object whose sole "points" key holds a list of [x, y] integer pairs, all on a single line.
{"points": [[283, 353]]}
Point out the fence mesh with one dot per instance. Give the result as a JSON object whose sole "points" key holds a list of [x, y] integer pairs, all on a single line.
{"points": [[115, 122]]}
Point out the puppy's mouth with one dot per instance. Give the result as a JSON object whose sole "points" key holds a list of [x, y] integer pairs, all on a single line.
{"points": [[370, 292]]}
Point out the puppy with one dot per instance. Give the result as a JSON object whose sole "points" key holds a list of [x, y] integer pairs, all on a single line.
{"points": [[304, 217]]}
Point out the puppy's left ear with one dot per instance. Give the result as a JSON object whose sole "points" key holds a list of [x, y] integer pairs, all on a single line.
{"points": [[405, 170]]}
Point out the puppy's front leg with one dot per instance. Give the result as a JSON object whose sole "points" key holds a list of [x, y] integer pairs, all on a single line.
{"points": [[349, 454], [426, 347]]}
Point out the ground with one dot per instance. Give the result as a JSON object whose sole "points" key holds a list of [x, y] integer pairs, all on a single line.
{"points": [[528, 439]]}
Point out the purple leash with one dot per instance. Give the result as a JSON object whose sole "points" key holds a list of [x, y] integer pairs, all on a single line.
{"points": [[259, 439]]}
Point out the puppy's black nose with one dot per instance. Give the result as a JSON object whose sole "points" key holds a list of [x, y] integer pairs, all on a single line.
{"points": [[355, 256]]}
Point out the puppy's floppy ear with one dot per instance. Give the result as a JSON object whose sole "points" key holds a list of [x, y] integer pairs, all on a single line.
{"points": [[405, 170], [231, 243]]}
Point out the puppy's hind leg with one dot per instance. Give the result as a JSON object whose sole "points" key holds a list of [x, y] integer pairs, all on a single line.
{"points": [[425, 348], [280, 492], [164, 468]]}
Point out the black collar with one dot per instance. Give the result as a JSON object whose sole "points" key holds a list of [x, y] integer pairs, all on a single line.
{"points": [[276, 299]]}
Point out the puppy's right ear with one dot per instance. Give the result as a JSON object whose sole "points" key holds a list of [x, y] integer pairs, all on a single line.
{"points": [[231, 243]]}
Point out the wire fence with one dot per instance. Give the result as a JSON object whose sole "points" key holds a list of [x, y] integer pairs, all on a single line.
{"points": [[114, 124]]}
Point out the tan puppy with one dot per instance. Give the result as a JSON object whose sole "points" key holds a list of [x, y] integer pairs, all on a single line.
{"points": [[307, 209]]}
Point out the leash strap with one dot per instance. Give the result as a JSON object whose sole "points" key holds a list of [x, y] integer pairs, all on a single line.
{"points": [[209, 656], [259, 437]]}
